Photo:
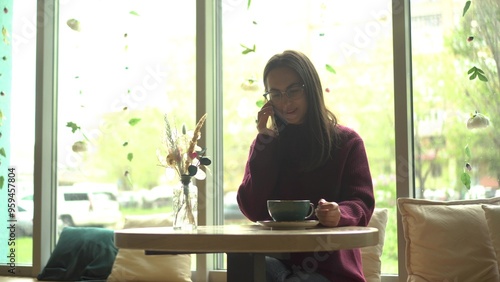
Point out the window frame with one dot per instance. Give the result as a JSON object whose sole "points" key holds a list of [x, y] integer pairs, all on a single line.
{"points": [[403, 121]]}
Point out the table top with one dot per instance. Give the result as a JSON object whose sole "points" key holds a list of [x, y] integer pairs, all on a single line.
{"points": [[251, 238]]}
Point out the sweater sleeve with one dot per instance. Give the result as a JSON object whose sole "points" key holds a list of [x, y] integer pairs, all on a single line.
{"points": [[260, 178], [357, 200]]}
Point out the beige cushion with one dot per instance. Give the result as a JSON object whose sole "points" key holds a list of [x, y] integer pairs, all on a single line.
{"points": [[134, 265], [371, 255], [448, 241], [492, 214]]}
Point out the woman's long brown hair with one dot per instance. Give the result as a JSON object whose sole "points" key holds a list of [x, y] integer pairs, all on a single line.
{"points": [[320, 121]]}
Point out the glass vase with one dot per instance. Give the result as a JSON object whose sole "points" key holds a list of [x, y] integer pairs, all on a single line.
{"points": [[185, 205]]}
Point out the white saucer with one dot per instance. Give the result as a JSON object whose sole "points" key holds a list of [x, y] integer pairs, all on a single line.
{"points": [[289, 224]]}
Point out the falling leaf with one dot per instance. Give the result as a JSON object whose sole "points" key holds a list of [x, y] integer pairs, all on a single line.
{"points": [[327, 90], [477, 72], [5, 34], [134, 121], [465, 178], [2, 152], [74, 127], [2, 180], [5, 10], [467, 152], [260, 103], [466, 7], [249, 85], [470, 38], [248, 4], [125, 144], [134, 13], [247, 49], [330, 69], [74, 24], [482, 77], [130, 157]]}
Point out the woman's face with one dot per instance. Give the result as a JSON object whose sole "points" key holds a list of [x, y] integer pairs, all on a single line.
{"points": [[294, 109]]}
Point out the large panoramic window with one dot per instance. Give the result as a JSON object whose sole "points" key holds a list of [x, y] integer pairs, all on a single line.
{"points": [[122, 66]]}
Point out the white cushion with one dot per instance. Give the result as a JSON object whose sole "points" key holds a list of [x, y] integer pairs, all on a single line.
{"points": [[448, 241], [492, 214], [371, 255], [134, 265]]}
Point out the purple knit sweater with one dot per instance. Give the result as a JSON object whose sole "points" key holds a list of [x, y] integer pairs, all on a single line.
{"points": [[272, 172]]}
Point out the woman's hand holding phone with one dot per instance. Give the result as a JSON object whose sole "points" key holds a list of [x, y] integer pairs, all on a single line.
{"points": [[265, 114]]}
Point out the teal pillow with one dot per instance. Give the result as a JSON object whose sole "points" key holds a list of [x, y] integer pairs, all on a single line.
{"points": [[82, 253]]}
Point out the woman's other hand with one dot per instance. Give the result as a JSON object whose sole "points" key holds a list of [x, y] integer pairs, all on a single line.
{"points": [[328, 213], [262, 118]]}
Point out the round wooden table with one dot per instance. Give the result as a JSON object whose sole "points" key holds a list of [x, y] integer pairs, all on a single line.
{"points": [[245, 245]]}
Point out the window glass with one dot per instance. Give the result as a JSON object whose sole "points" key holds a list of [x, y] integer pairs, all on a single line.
{"points": [[17, 128], [122, 66], [353, 38], [456, 143]]}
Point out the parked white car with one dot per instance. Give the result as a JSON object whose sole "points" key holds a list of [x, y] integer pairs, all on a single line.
{"points": [[24, 224], [88, 204]]}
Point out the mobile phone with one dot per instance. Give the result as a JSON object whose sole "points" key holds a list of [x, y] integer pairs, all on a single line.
{"points": [[277, 123]]}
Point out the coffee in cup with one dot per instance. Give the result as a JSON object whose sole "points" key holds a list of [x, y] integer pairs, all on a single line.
{"points": [[290, 210]]}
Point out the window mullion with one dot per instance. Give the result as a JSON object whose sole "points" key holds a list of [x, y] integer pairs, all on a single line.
{"points": [[45, 179], [403, 114]]}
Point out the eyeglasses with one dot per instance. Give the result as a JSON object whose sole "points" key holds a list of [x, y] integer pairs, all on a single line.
{"points": [[293, 92]]}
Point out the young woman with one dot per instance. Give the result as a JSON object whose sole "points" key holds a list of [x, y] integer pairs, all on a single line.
{"points": [[306, 155]]}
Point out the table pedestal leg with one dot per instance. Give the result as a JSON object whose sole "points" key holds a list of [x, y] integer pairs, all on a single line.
{"points": [[242, 267]]}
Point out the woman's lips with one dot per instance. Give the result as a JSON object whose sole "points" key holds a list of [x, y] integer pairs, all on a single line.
{"points": [[290, 112]]}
